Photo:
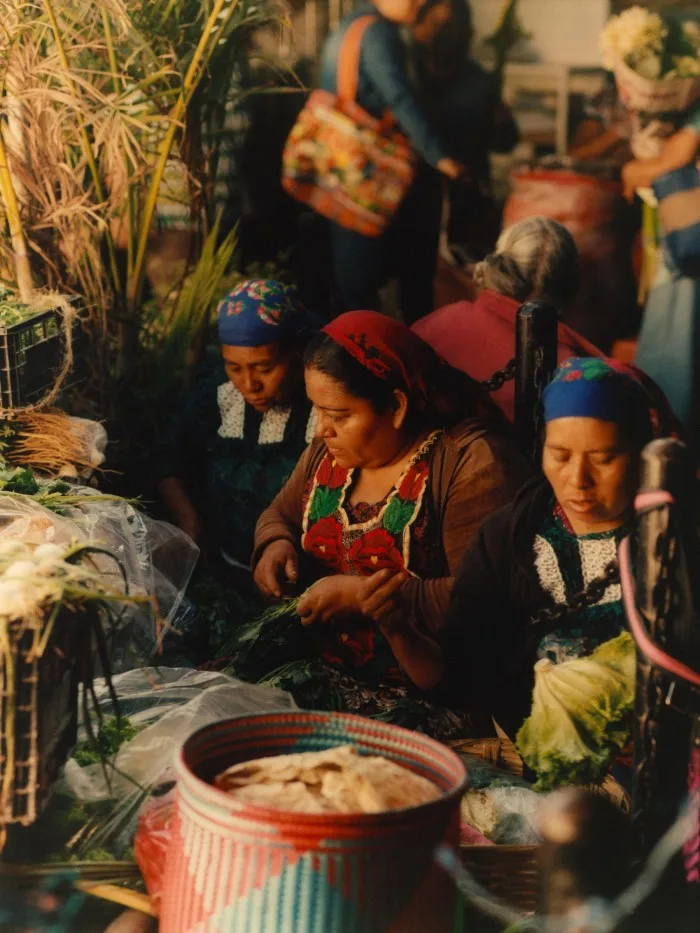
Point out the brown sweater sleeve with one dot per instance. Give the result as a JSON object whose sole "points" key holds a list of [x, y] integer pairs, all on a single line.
{"points": [[471, 478], [281, 520]]}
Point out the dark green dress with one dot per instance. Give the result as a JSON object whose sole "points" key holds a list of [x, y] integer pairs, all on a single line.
{"points": [[233, 461]]}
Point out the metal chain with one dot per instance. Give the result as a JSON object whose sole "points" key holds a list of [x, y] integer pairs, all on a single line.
{"points": [[589, 596], [652, 685], [500, 377]]}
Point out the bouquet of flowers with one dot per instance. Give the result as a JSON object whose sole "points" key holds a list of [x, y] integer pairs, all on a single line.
{"points": [[656, 62]]}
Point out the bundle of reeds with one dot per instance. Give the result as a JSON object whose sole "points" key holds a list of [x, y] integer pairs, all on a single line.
{"points": [[51, 443]]}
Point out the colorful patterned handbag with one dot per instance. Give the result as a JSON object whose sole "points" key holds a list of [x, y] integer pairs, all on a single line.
{"points": [[678, 195], [342, 162]]}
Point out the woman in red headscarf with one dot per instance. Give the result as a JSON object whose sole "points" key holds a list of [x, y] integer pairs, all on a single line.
{"points": [[409, 459]]}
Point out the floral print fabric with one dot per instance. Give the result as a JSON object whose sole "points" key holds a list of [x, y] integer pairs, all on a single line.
{"points": [[382, 540]]}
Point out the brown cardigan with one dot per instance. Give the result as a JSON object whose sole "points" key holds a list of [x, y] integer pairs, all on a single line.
{"points": [[474, 470]]}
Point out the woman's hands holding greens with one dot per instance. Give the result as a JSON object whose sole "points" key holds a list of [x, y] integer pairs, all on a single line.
{"points": [[381, 599], [378, 597], [278, 566], [330, 598]]}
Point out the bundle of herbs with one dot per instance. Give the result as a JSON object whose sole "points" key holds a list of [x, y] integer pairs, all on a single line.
{"points": [[51, 443]]}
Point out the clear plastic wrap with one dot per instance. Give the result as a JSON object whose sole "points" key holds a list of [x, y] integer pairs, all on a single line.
{"points": [[156, 558], [167, 705]]}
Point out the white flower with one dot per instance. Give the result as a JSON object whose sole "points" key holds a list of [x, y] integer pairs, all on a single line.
{"points": [[687, 66], [49, 551], [19, 599], [649, 67], [20, 569], [691, 31], [631, 37]]}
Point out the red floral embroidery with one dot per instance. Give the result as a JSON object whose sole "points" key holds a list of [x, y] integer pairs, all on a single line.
{"points": [[330, 474], [375, 550], [414, 482], [324, 541], [353, 648]]}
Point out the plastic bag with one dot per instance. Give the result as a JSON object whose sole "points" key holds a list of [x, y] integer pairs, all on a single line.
{"points": [[516, 815], [155, 558], [167, 705], [151, 842]]}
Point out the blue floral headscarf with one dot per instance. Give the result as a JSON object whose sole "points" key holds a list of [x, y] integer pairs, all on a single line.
{"points": [[592, 387], [262, 311]]}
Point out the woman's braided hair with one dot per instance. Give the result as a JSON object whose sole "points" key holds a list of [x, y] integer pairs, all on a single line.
{"points": [[535, 258]]}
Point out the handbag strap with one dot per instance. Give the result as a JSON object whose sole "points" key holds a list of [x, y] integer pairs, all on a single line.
{"points": [[349, 58]]}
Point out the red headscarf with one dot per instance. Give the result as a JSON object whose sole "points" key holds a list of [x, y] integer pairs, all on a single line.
{"points": [[394, 353]]}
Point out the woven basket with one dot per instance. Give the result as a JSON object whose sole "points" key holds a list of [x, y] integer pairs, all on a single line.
{"points": [[511, 872], [44, 725]]}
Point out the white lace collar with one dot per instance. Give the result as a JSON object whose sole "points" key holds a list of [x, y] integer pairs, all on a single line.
{"points": [[273, 423]]}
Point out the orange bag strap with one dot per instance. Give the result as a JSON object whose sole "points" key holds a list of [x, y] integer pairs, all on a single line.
{"points": [[349, 58]]}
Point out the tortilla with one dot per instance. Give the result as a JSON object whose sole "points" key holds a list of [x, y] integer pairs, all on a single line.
{"points": [[337, 780]]}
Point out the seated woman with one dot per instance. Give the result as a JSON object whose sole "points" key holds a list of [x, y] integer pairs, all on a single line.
{"points": [[536, 258], [242, 431], [534, 556], [384, 502]]}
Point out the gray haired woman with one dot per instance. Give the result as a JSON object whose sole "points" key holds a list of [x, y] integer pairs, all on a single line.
{"points": [[535, 258]]}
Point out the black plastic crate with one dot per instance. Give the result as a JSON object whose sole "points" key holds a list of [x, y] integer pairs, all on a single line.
{"points": [[31, 356]]}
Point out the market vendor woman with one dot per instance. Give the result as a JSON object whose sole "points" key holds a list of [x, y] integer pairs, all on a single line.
{"points": [[242, 431], [410, 456], [533, 557]]}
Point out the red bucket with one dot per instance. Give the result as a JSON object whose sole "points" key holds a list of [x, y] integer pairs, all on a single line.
{"points": [[238, 868]]}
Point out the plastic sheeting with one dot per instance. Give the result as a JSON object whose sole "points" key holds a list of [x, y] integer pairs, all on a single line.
{"points": [[168, 705], [156, 559]]}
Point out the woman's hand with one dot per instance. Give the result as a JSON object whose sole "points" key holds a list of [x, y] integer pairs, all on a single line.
{"points": [[381, 599], [278, 565], [453, 169], [634, 175], [330, 598]]}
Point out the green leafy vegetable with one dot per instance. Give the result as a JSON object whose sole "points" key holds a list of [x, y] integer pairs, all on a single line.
{"points": [[113, 734], [581, 713]]}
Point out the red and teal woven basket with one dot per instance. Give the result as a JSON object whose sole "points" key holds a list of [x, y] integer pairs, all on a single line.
{"points": [[238, 868]]}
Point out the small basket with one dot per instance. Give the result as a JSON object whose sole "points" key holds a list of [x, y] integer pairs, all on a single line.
{"points": [[31, 355], [44, 725], [511, 872]]}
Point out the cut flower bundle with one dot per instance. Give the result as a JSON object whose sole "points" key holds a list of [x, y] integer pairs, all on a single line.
{"points": [[656, 62]]}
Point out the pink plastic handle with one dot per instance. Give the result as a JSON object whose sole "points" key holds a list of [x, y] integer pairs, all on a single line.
{"points": [[656, 655], [652, 499]]}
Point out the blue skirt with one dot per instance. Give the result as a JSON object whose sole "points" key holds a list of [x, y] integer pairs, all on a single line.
{"points": [[669, 344]]}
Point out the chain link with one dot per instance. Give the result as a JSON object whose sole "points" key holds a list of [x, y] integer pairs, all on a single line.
{"points": [[652, 687], [592, 594], [500, 377]]}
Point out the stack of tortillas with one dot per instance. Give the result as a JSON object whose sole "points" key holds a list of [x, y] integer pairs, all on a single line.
{"points": [[338, 780]]}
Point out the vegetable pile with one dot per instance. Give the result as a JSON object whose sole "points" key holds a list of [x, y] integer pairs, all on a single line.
{"points": [[581, 715]]}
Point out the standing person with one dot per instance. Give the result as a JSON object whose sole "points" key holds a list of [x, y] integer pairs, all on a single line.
{"points": [[669, 342], [362, 264], [465, 103]]}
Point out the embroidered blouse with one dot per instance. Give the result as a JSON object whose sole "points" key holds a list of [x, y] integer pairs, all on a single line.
{"points": [[233, 459], [565, 564], [424, 524]]}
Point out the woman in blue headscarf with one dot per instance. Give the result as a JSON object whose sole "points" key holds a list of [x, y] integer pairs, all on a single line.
{"points": [[561, 532], [240, 434]]}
